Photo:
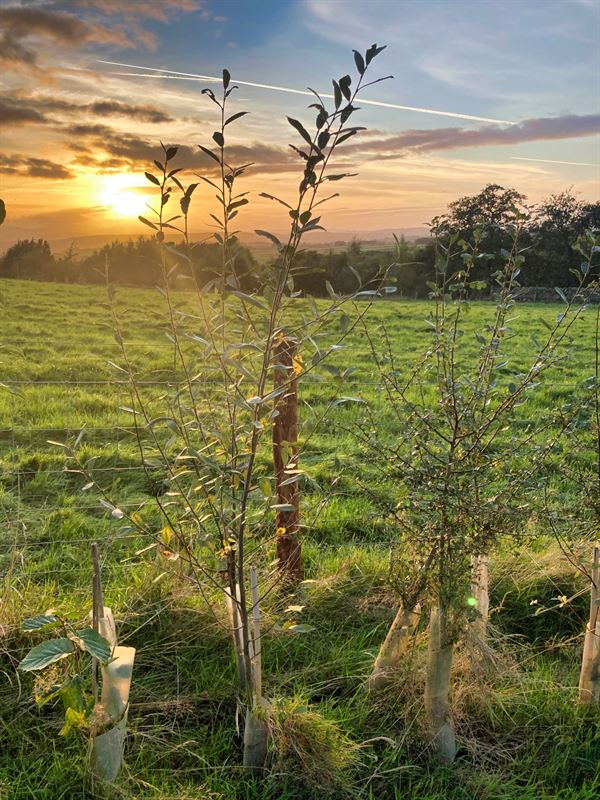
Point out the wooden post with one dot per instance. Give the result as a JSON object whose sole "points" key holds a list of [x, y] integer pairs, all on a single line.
{"points": [[285, 453], [589, 678]]}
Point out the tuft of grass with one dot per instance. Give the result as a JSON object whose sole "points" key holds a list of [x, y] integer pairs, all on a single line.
{"points": [[310, 747]]}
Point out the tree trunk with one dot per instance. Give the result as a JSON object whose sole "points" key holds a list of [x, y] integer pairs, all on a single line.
{"points": [[395, 644], [285, 453], [437, 687], [480, 582], [589, 678]]}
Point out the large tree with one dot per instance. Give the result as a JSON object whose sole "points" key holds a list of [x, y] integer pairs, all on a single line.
{"points": [[557, 224], [28, 258]]}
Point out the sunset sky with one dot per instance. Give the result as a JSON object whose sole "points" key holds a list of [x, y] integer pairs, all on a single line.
{"points": [[77, 134]]}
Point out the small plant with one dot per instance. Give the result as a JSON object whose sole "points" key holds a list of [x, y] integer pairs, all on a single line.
{"points": [[61, 664]]}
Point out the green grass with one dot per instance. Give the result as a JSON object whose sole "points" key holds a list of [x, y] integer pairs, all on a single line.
{"points": [[522, 736]]}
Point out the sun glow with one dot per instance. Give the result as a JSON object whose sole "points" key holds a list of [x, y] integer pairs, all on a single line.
{"points": [[124, 195]]}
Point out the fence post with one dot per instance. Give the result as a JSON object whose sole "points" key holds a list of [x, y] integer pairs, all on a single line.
{"points": [[589, 678], [285, 453]]}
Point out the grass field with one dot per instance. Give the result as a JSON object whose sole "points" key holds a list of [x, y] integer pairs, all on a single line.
{"points": [[522, 736]]}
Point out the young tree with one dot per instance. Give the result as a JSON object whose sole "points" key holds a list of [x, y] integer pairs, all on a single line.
{"points": [[462, 464], [214, 428]]}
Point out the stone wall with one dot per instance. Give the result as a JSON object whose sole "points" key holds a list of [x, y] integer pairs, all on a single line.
{"points": [[547, 294]]}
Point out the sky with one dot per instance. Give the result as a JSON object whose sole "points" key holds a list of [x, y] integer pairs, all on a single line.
{"points": [[514, 84]]}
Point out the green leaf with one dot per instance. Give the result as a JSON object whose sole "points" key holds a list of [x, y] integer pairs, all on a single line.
{"points": [[561, 294], [226, 78], [95, 644], [2, 211], [359, 61], [301, 129], [302, 628], [209, 153], [218, 138], [345, 86], [148, 223], [152, 178], [248, 298], [233, 117], [269, 236], [341, 400], [337, 94], [42, 655], [73, 719], [373, 51], [39, 622], [72, 694]]}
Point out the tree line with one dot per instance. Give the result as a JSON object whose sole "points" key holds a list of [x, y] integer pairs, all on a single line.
{"points": [[553, 228]]}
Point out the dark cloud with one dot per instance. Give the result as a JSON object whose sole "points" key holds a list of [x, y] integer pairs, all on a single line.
{"points": [[112, 108], [530, 130], [105, 148], [160, 11], [33, 167], [35, 110], [17, 114], [21, 28]]}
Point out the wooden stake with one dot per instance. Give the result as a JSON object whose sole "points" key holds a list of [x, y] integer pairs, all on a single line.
{"points": [[285, 454], [589, 678]]}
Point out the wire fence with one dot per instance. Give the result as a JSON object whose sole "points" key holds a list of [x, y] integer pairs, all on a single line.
{"points": [[35, 488]]}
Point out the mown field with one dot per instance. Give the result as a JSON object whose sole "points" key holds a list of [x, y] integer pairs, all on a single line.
{"points": [[521, 733]]}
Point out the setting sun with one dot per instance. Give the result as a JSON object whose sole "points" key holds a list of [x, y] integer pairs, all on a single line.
{"points": [[123, 195]]}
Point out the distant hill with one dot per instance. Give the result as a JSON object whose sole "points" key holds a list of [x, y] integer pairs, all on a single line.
{"points": [[322, 239]]}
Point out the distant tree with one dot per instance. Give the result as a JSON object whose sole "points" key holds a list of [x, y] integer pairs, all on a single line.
{"points": [[557, 224], [28, 259], [490, 211]]}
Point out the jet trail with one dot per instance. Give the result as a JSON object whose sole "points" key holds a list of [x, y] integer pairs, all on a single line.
{"points": [[174, 75], [550, 161]]}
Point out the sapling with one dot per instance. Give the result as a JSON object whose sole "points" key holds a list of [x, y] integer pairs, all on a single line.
{"points": [[214, 426], [464, 462], [62, 662]]}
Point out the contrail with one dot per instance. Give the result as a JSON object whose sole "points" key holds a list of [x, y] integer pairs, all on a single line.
{"points": [[189, 76], [551, 161]]}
